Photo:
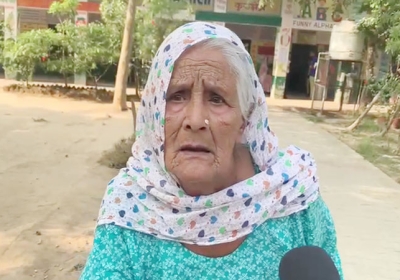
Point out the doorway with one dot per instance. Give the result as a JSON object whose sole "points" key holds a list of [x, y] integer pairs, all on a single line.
{"points": [[297, 78]]}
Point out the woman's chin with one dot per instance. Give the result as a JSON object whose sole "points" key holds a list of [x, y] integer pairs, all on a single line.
{"points": [[196, 179]]}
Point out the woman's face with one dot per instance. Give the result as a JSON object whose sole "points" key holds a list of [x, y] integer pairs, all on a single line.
{"points": [[203, 121]]}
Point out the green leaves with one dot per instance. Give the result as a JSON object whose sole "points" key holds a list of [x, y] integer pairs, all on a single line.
{"points": [[97, 49], [69, 49], [154, 21], [381, 24], [74, 49], [22, 55], [64, 8]]}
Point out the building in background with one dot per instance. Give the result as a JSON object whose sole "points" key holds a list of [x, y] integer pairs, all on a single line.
{"points": [[279, 37], [257, 27], [305, 28], [32, 14], [25, 15]]}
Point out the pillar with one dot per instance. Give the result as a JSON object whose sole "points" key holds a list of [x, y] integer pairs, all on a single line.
{"points": [[11, 27], [80, 19], [283, 42], [281, 62], [220, 6]]}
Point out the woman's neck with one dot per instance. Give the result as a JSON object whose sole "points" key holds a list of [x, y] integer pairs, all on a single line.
{"points": [[243, 170]]}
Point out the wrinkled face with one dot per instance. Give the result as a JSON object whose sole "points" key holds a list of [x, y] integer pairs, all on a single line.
{"points": [[203, 121]]}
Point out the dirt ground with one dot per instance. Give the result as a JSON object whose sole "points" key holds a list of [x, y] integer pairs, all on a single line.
{"points": [[51, 184]]}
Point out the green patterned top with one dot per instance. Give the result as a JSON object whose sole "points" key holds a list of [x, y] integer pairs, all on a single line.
{"points": [[123, 254]]}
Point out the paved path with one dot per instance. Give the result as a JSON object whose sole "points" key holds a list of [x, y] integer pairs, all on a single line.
{"points": [[364, 202]]}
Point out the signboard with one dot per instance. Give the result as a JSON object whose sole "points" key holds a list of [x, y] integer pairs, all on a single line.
{"points": [[220, 6], [201, 2], [202, 5], [306, 24], [320, 15], [252, 7], [80, 20]]}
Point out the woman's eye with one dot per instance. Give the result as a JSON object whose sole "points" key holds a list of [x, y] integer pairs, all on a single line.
{"points": [[215, 98], [177, 97]]}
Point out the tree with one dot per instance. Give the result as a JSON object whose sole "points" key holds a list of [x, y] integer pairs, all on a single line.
{"points": [[357, 122], [155, 19], [21, 56], [2, 31], [381, 29], [376, 28], [113, 17], [391, 97], [121, 81], [97, 51], [66, 43]]}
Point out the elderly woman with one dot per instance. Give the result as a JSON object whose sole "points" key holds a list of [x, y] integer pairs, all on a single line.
{"points": [[206, 193]]}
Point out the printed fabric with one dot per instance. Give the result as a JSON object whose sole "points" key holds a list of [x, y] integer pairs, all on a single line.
{"points": [[144, 197]]}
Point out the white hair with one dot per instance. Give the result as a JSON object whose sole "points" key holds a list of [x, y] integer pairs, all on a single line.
{"points": [[240, 67]]}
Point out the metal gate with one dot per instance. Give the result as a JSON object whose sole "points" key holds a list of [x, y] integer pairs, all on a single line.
{"points": [[318, 95]]}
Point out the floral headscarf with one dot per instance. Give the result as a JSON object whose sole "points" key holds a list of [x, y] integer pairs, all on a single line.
{"points": [[144, 196]]}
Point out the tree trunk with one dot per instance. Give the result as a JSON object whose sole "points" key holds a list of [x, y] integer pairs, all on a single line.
{"points": [[95, 83], [371, 54], [357, 122], [133, 110], [369, 73], [137, 83], [121, 80], [392, 117], [342, 89]]}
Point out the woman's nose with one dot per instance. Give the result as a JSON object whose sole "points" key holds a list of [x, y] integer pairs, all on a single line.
{"points": [[195, 115]]}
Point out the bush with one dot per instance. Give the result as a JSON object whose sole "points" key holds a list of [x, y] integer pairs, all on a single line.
{"points": [[119, 155]]}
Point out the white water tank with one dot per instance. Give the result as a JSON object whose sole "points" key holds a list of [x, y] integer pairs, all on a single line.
{"points": [[346, 42]]}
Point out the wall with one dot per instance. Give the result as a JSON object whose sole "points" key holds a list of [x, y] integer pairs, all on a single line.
{"points": [[92, 7], [261, 37], [32, 19], [253, 32], [308, 37]]}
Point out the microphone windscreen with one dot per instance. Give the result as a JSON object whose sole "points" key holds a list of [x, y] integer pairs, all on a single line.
{"points": [[307, 263]]}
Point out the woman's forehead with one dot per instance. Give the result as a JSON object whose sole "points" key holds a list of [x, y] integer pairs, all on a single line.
{"points": [[211, 67], [201, 57]]}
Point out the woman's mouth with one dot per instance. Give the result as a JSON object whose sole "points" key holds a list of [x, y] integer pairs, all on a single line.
{"points": [[195, 150]]}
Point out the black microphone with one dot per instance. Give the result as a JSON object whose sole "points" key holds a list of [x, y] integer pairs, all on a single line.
{"points": [[307, 263]]}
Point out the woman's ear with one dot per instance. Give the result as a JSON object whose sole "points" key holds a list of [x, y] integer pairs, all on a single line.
{"points": [[241, 131], [243, 126]]}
